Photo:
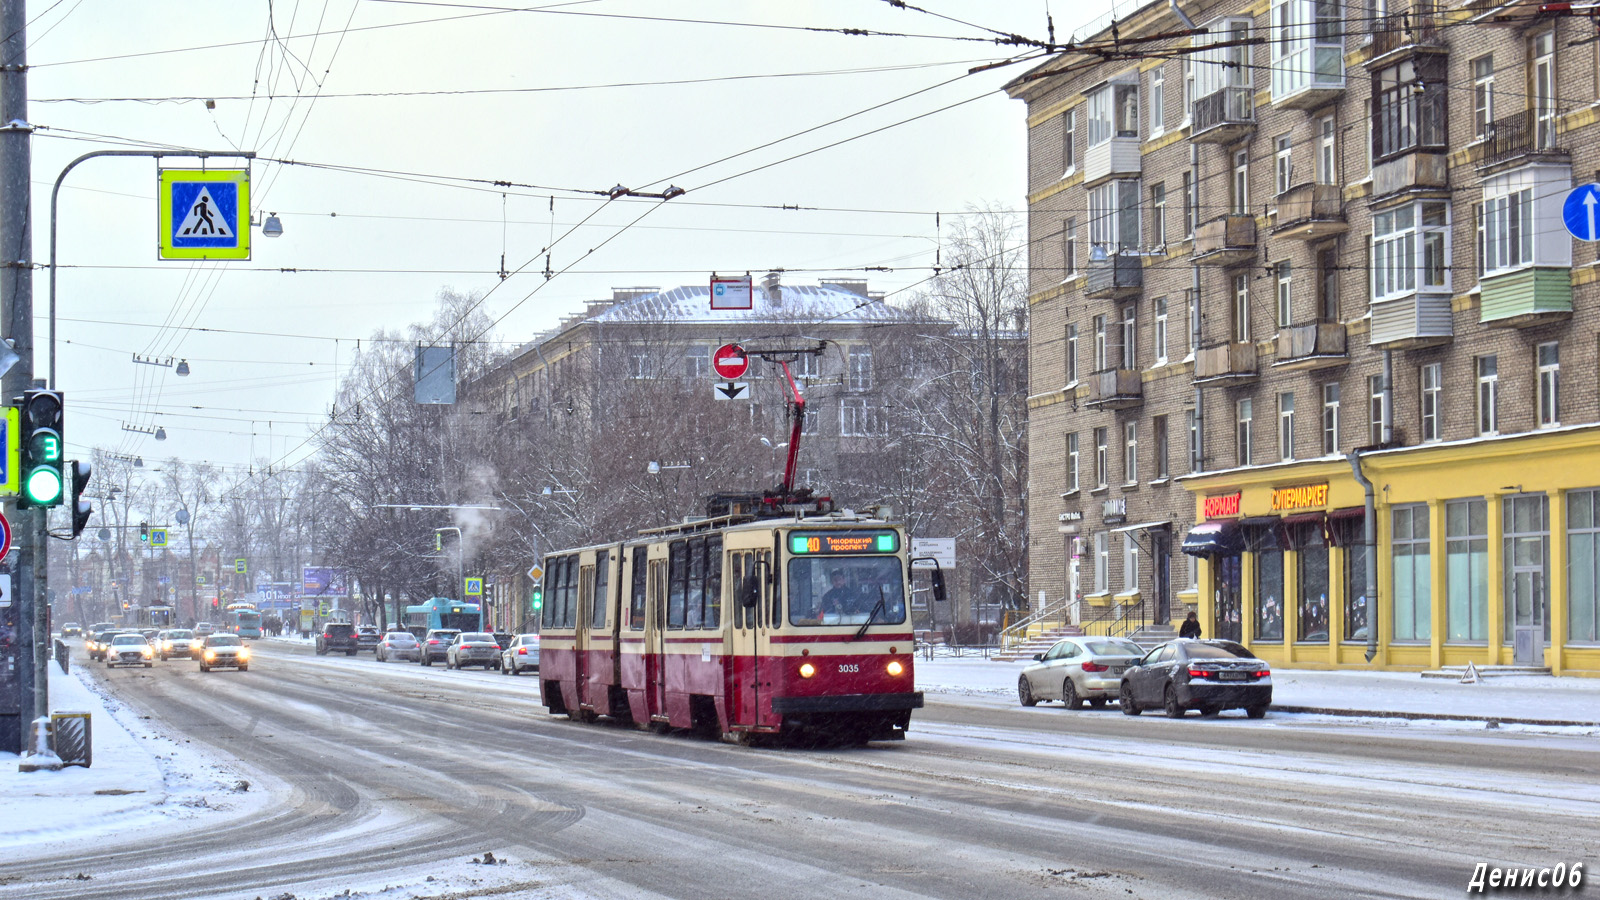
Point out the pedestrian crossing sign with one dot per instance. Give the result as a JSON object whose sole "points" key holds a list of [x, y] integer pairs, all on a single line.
{"points": [[204, 213]]}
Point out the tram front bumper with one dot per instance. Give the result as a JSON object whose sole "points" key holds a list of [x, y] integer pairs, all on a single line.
{"points": [[848, 703]]}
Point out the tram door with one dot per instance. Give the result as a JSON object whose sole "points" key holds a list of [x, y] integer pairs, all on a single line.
{"points": [[750, 637], [655, 645], [580, 635]]}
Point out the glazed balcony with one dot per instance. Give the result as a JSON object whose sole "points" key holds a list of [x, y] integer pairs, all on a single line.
{"points": [[1310, 212], [1232, 363], [1226, 241], [1224, 116], [1114, 276], [1412, 321], [1115, 389], [1310, 76], [1314, 345], [1526, 298]]}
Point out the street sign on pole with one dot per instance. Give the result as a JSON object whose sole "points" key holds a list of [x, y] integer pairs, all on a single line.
{"points": [[1578, 211], [733, 390], [11, 458], [204, 214], [537, 572], [474, 587], [5, 536], [942, 551], [730, 362], [240, 566], [158, 537], [732, 292]]}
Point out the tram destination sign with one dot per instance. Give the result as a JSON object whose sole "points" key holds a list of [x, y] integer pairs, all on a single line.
{"points": [[823, 543]]}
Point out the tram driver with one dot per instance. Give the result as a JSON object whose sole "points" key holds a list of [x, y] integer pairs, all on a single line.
{"points": [[839, 601]]}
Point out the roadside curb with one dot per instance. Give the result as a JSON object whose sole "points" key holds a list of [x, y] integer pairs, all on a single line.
{"points": [[1438, 717]]}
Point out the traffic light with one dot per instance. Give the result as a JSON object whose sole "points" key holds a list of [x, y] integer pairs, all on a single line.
{"points": [[144, 532], [536, 600], [81, 508], [40, 438]]}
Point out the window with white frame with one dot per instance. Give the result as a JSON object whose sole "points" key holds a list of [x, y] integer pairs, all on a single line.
{"points": [[1327, 141], [1191, 424], [807, 365], [1130, 563], [813, 420], [1158, 440], [1100, 343], [1158, 99], [1161, 331], [1482, 95], [1505, 232], [1429, 382], [1130, 337], [1244, 413], [1411, 249], [1219, 67], [1072, 462], [1285, 294], [1548, 357], [1241, 308], [855, 417], [1410, 542], [1158, 215], [1488, 368], [1286, 425], [1188, 89], [1191, 206], [1069, 135], [860, 374], [697, 362], [1192, 300], [1113, 111], [1307, 45], [1072, 354], [1330, 418], [1102, 561], [639, 363], [1101, 475], [1542, 50], [1130, 452], [1114, 217], [1377, 403], [1239, 187], [1284, 165], [1069, 248]]}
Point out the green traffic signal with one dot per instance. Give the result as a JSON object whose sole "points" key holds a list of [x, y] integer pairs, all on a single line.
{"points": [[538, 599], [43, 486], [43, 481]]}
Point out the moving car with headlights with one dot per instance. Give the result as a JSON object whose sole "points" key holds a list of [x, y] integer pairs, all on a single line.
{"points": [[97, 642], [472, 648], [1209, 675], [224, 651], [70, 629], [1077, 669], [129, 650], [338, 637], [174, 642], [435, 645], [521, 655], [398, 645]]}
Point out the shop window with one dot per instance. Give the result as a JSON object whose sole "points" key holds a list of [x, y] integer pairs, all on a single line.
{"points": [[1311, 619], [1466, 531], [1413, 576], [1583, 566], [1269, 584], [1350, 534]]}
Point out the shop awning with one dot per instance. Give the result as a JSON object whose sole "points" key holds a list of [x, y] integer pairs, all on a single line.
{"points": [[1214, 539], [1145, 526]]}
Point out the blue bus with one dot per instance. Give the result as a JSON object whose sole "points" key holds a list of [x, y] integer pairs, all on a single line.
{"points": [[242, 619], [442, 612]]}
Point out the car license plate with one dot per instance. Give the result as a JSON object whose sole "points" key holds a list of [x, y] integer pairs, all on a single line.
{"points": [[1117, 670], [1232, 676]]}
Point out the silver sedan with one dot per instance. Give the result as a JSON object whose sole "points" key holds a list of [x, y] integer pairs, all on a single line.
{"points": [[1078, 669]]}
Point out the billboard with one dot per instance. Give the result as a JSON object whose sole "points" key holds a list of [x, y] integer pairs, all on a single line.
{"points": [[326, 581], [434, 379]]}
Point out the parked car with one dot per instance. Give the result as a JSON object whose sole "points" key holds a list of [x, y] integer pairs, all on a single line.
{"points": [[1078, 669], [472, 648], [521, 654], [1209, 675], [434, 645], [224, 651], [97, 643], [129, 650], [174, 642], [398, 645], [338, 636], [367, 637], [70, 629]]}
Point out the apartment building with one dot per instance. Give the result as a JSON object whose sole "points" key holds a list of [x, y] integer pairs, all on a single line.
{"points": [[1297, 230]]}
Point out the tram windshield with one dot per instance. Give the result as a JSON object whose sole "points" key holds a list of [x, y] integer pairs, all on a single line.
{"points": [[843, 590]]}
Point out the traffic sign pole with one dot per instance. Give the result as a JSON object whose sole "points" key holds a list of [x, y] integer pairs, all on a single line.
{"points": [[730, 362]]}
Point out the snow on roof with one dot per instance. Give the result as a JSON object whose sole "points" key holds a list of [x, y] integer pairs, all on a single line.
{"points": [[691, 304]]}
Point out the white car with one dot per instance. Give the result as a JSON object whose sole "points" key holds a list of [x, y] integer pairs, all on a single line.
{"points": [[1078, 669], [129, 650], [522, 653]]}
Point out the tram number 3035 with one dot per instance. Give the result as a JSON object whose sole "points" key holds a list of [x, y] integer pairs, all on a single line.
{"points": [[849, 667]]}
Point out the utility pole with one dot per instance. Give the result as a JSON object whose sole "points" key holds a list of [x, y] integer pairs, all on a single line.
{"points": [[30, 673]]}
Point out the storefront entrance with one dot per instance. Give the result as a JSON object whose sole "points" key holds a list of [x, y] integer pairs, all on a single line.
{"points": [[1228, 582], [1527, 594]]}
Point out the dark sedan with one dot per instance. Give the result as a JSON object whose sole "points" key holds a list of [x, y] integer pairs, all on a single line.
{"points": [[1206, 675]]}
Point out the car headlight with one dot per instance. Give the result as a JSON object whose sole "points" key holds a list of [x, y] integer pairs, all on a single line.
{"points": [[211, 654], [166, 645], [895, 668], [148, 651], [244, 654]]}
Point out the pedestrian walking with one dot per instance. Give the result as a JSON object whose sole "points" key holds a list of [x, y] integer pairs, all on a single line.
{"points": [[1190, 627]]}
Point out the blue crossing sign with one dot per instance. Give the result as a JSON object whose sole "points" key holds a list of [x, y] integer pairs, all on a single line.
{"points": [[1579, 212], [204, 213]]}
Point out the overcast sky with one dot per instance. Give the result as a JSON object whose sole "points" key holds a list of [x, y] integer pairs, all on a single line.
{"points": [[435, 91]]}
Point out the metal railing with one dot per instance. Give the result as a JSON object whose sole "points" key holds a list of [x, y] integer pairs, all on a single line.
{"points": [[1115, 620], [1017, 632], [1530, 131], [1229, 106], [1405, 29]]}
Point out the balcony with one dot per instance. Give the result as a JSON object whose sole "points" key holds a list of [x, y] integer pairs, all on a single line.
{"points": [[1310, 76], [1111, 158], [1404, 34], [1314, 345], [1413, 321], [1310, 212], [1114, 276], [1526, 298], [1418, 169], [1226, 241], [1525, 137], [1225, 364], [1115, 389], [1224, 116]]}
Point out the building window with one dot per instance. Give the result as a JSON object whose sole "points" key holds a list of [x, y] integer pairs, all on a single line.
{"points": [[1408, 111], [1102, 475], [1283, 166], [1102, 561], [697, 362], [853, 417], [1285, 295], [1113, 112], [1397, 266], [1311, 587], [1158, 215], [1376, 407], [1192, 300], [1188, 89], [1488, 394], [1583, 566], [1130, 337], [1330, 418], [1307, 45], [1069, 248], [1191, 207], [1239, 201], [1286, 426], [1161, 331], [1328, 285], [1069, 134], [1072, 355], [1191, 424], [1428, 381], [1158, 437], [860, 361], [1158, 99], [813, 422], [1482, 95], [1130, 452], [1100, 343], [1525, 521], [1269, 585], [1243, 415], [1130, 563], [808, 365], [1413, 575], [1466, 531], [1114, 218], [1072, 462], [1543, 78], [1505, 232], [1327, 140], [1241, 309], [1352, 538], [639, 363], [1548, 357]]}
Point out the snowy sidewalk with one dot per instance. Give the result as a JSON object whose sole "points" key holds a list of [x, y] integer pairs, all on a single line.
{"points": [[140, 780], [1529, 699]]}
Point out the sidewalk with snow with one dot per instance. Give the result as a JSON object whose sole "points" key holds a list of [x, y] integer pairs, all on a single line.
{"points": [[140, 780]]}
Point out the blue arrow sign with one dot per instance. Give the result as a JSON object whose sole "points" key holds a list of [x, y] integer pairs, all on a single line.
{"points": [[1579, 212]]}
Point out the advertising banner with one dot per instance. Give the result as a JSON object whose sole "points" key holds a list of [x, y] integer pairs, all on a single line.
{"points": [[326, 581]]}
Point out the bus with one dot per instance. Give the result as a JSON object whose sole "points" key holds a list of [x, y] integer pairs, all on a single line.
{"points": [[442, 612], [242, 619]]}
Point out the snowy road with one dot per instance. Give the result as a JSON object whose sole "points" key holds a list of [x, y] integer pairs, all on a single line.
{"points": [[396, 773]]}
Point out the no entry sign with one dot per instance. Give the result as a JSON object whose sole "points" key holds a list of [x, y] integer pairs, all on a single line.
{"points": [[730, 362]]}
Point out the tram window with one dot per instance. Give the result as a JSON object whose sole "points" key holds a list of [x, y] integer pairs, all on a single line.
{"points": [[641, 556], [695, 594], [602, 584], [677, 576], [547, 613], [844, 590], [569, 592], [776, 612], [713, 591], [736, 569]]}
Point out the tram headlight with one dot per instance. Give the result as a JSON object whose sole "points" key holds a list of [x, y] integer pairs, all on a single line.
{"points": [[807, 670], [895, 668]]}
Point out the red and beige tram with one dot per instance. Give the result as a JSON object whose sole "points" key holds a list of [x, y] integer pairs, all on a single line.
{"points": [[740, 625]]}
